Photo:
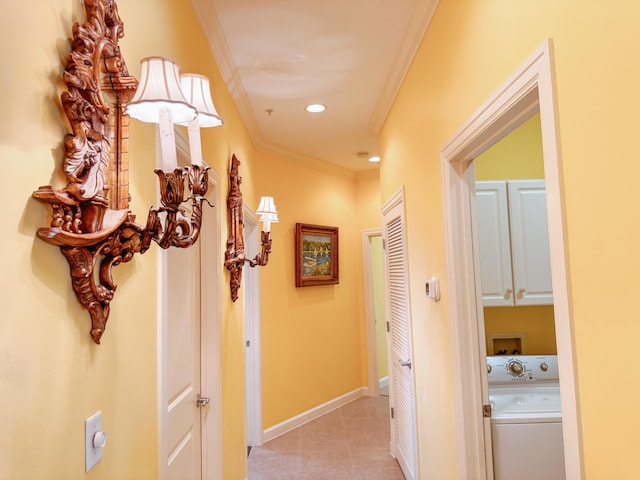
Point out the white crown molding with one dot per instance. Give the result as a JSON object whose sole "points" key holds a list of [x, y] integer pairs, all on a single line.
{"points": [[415, 31], [208, 18], [311, 162]]}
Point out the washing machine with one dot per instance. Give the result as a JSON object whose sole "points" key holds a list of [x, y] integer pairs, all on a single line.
{"points": [[526, 417]]}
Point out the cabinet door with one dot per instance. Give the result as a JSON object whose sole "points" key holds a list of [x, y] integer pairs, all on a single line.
{"points": [[494, 243], [530, 242]]}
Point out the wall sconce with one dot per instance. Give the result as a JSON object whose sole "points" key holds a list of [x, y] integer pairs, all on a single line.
{"points": [[91, 221], [235, 257]]}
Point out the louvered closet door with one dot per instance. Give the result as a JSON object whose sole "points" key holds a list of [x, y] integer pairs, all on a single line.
{"points": [[402, 399]]}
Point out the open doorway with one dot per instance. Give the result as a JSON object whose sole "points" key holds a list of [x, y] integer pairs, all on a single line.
{"points": [[528, 91], [515, 270], [516, 314], [373, 262]]}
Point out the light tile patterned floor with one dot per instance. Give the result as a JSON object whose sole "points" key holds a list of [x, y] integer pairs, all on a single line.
{"points": [[350, 443]]}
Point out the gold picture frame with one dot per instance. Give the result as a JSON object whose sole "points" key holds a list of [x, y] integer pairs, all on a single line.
{"points": [[317, 258]]}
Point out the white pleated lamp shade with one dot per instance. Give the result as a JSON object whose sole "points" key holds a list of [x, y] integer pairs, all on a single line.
{"points": [[268, 213], [196, 90], [159, 88], [267, 210]]}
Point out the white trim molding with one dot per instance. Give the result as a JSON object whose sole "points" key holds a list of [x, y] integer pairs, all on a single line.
{"points": [[528, 90], [305, 417]]}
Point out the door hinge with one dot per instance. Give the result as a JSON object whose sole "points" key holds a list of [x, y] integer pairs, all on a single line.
{"points": [[486, 411], [387, 326], [384, 244], [392, 413], [247, 343], [202, 401]]}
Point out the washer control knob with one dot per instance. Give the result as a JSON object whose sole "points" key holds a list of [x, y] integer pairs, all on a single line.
{"points": [[544, 367], [515, 368]]}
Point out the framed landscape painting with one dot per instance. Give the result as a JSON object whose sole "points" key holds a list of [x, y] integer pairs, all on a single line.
{"points": [[316, 255]]}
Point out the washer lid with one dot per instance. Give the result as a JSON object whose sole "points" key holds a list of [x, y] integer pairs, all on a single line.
{"points": [[517, 401]]}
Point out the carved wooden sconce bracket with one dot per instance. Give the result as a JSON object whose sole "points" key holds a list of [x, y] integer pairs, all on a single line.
{"points": [[235, 256], [91, 221]]}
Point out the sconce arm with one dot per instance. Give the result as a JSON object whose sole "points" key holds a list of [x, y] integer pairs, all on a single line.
{"points": [[263, 257]]}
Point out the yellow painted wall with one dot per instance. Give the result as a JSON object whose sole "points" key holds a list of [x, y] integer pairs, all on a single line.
{"points": [[312, 337], [52, 375], [470, 49], [536, 323], [367, 184], [518, 156]]}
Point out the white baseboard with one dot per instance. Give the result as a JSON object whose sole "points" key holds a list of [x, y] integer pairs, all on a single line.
{"points": [[305, 417], [383, 382]]}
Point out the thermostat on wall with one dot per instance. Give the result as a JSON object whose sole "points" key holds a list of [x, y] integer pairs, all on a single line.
{"points": [[433, 288]]}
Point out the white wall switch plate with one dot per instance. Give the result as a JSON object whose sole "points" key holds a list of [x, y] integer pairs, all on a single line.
{"points": [[432, 288], [95, 439]]}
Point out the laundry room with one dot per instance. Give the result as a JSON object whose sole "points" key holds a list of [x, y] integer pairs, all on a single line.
{"points": [[517, 307], [517, 296]]}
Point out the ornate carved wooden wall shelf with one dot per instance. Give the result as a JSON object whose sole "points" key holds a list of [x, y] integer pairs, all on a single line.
{"points": [[235, 256], [91, 221]]}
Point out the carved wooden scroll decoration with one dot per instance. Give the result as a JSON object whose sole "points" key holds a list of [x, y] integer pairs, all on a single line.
{"points": [[235, 256], [91, 221]]}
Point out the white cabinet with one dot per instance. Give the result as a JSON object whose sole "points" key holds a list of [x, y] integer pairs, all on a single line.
{"points": [[513, 241]]}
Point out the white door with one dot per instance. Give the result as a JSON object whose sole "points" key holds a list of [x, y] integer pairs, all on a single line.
{"points": [[401, 391], [186, 351], [182, 433], [251, 284]]}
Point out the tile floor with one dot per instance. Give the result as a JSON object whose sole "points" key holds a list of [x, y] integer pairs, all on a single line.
{"points": [[349, 443]]}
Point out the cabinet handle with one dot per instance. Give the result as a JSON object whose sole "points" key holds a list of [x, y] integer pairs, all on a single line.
{"points": [[521, 292], [507, 293]]}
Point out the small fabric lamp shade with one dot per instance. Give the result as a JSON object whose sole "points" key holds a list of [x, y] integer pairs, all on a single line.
{"points": [[159, 88], [267, 210], [196, 90], [268, 213]]}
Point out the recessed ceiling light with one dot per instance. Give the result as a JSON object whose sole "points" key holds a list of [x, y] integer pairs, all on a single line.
{"points": [[315, 108], [374, 159]]}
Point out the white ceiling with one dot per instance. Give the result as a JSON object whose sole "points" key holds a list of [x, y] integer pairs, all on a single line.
{"points": [[280, 55]]}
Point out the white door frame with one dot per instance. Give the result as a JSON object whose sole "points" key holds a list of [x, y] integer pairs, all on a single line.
{"points": [[253, 367], [372, 351], [210, 334], [528, 90]]}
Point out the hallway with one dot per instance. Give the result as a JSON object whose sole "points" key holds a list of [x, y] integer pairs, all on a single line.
{"points": [[349, 443]]}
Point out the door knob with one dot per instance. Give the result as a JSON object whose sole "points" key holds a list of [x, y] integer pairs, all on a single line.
{"points": [[405, 363]]}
